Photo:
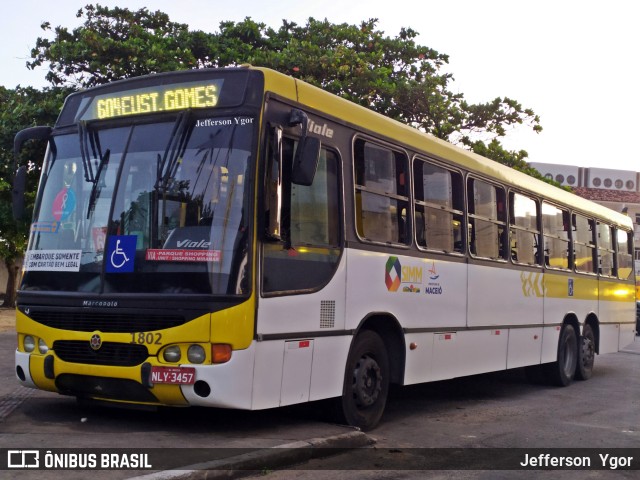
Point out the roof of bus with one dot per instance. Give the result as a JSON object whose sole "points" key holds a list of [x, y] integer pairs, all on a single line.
{"points": [[357, 115]]}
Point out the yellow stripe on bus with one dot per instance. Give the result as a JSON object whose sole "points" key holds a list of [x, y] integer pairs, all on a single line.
{"points": [[536, 284]]}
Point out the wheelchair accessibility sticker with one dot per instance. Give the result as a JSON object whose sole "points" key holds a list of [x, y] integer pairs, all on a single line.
{"points": [[121, 254]]}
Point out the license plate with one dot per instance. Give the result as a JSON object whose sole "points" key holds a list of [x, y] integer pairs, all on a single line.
{"points": [[173, 375]]}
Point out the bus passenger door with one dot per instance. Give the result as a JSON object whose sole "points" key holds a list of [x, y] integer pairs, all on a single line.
{"points": [[302, 277]]}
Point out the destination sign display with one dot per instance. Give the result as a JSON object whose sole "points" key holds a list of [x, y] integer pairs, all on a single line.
{"points": [[156, 99]]}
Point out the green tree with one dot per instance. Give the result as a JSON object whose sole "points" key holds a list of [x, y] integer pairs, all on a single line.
{"points": [[394, 76], [21, 108], [113, 44]]}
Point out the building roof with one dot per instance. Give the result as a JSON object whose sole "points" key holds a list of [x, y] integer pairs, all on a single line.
{"points": [[603, 195]]}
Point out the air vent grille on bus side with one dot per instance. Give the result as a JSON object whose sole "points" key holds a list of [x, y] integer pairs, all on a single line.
{"points": [[327, 313], [105, 322], [110, 353]]}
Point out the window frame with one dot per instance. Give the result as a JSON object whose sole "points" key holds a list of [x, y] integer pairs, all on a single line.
{"points": [[590, 246], [356, 188], [568, 240], [629, 246], [503, 245], [539, 257], [453, 211], [611, 250]]}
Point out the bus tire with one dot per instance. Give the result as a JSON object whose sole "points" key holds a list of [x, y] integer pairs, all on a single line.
{"points": [[586, 353], [563, 370], [366, 381]]}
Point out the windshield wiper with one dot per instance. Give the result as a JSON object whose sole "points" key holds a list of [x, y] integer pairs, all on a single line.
{"points": [[168, 165], [88, 139], [97, 184]]}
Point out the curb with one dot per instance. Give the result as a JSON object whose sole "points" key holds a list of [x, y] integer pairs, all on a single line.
{"points": [[265, 459]]}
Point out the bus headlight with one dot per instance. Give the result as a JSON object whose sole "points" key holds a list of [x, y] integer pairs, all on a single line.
{"points": [[172, 354], [196, 354], [42, 346], [29, 343]]}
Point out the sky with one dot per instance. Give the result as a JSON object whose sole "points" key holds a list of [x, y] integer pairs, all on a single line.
{"points": [[573, 62]]}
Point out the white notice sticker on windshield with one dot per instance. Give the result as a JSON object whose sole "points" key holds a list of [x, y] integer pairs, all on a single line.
{"points": [[53, 260]]}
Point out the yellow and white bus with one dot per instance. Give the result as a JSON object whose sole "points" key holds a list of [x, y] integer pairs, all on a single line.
{"points": [[238, 238]]}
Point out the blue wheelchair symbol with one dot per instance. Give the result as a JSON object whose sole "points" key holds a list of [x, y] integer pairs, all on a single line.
{"points": [[121, 254]]}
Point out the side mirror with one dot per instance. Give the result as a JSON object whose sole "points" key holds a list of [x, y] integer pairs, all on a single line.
{"points": [[305, 162], [17, 193], [33, 133], [20, 177]]}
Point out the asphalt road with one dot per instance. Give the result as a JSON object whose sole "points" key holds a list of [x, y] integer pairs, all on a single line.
{"points": [[501, 410]]}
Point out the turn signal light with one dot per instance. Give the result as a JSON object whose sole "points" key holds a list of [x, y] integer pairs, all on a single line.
{"points": [[220, 353]]}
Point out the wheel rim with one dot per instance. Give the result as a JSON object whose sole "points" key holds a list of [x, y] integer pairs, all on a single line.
{"points": [[367, 382], [588, 352]]}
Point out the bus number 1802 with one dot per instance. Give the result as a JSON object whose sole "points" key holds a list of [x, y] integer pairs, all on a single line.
{"points": [[146, 338]]}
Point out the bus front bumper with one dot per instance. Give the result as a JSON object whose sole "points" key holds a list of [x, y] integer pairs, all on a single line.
{"points": [[225, 385]]}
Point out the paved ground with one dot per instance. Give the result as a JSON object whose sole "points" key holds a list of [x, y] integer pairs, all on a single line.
{"points": [[7, 319]]}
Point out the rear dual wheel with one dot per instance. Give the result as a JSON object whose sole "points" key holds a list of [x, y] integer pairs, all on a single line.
{"points": [[575, 360], [586, 353], [563, 370]]}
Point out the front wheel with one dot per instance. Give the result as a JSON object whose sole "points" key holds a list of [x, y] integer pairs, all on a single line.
{"points": [[366, 381], [562, 371], [586, 354]]}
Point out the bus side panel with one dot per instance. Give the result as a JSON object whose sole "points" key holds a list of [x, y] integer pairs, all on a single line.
{"points": [[267, 374], [420, 293], [329, 361], [504, 296], [296, 371], [303, 312], [521, 302], [617, 304], [569, 294], [550, 337], [627, 335], [457, 354], [419, 361], [525, 347], [609, 337]]}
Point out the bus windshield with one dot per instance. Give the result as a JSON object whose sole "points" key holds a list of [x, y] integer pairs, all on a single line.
{"points": [[144, 208]]}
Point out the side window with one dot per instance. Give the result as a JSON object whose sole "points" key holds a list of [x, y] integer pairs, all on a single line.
{"points": [[584, 245], [606, 252], [525, 233], [314, 231], [487, 220], [556, 228], [381, 193], [438, 208], [624, 254]]}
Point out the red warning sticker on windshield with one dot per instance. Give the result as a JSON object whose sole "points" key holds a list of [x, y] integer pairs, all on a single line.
{"points": [[181, 255]]}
